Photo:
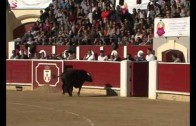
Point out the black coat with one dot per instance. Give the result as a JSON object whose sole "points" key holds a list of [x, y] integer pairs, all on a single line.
{"points": [[74, 78]]}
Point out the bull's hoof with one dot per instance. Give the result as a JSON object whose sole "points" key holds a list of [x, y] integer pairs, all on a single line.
{"points": [[70, 95]]}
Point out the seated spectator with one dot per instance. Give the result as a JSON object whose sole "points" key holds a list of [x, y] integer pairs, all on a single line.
{"points": [[175, 58], [114, 57], [42, 55], [65, 54], [140, 56], [72, 55], [49, 56], [36, 55], [138, 34], [54, 57], [15, 55], [89, 56], [129, 57], [114, 52], [102, 57], [23, 55], [150, 56]]}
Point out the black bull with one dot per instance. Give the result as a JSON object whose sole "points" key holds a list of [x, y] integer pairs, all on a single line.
{"points": [[74, 78]]}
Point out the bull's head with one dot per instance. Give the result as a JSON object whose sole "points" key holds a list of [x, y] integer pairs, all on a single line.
{"points": [[89, 77]]}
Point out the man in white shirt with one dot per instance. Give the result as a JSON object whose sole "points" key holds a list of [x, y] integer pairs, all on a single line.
{"points": [[90, 56], [102, 57], [150, 56]]}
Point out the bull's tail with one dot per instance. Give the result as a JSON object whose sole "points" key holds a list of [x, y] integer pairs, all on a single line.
{"points": [[55, 76]]}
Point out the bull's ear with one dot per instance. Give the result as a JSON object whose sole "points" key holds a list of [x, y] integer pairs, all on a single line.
{"points": [[88, 74]]}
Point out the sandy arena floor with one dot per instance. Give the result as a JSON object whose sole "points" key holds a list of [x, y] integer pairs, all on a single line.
{"points": [[42, 108]]}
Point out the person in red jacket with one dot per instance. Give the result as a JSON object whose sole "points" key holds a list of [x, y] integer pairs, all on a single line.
{"points": [[104, 15]]}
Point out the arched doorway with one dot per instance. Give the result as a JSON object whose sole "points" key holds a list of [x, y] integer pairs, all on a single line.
{"points": [[22, 29], [167, 55]]}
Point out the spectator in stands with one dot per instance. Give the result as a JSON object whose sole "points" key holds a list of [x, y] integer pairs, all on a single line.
{"points": [[150, 56], [102, 57], [54, 56], [65, 54], [30, 41], [168, 14], [114, 57], [49, 56], [17, 55], [72, 55], [36, 55], [13, 56], [42, 55], [89, 56], [175, 58], [140, 56], [138, 34], [72, 15], [129, 57], [43, 16], [23, 55]]}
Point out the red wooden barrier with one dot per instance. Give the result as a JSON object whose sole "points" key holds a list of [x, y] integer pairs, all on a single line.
{"points": [[174, 77], [104, 73], [18, 71]]}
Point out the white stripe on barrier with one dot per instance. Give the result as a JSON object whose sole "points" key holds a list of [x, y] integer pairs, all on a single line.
{"points": [[172, 92]]}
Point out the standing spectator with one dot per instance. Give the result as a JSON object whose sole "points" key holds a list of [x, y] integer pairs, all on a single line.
{"points": [[42, 17]]}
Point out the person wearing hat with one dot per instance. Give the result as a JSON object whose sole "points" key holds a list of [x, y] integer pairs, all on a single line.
{"points": [[102, 57], [140, 56]]}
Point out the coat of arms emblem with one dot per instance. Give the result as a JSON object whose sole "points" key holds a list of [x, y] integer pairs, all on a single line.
{"points": [[47, 74]]}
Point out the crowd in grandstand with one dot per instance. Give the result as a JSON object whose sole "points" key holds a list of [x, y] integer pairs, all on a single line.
{"points": [[99, 22]]}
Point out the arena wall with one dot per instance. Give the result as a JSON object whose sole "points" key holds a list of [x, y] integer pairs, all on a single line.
{"points": [[136, 77]]}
